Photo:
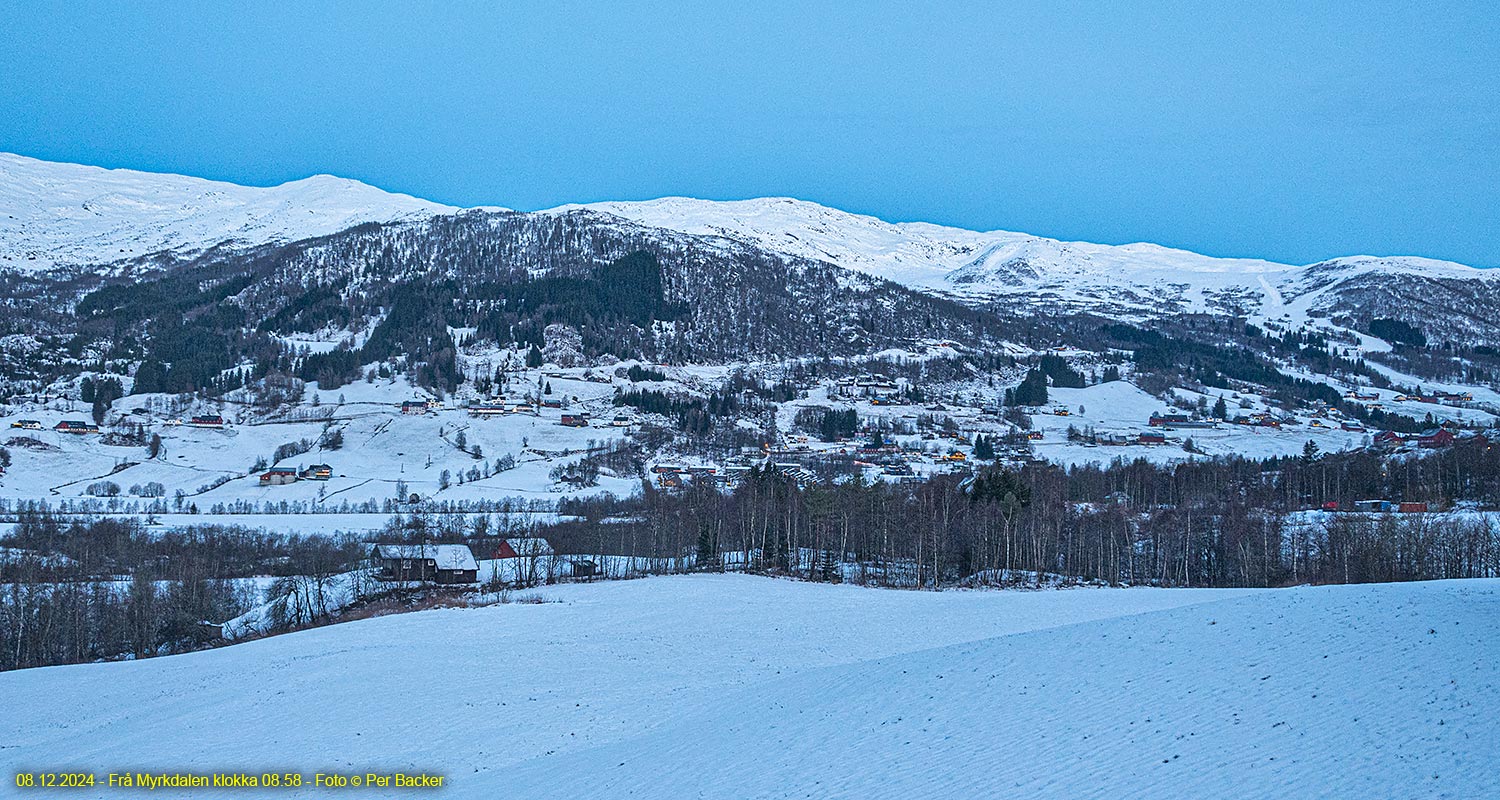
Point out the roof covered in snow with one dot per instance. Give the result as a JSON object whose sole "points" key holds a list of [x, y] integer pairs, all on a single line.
{"points": [[446, 556]]}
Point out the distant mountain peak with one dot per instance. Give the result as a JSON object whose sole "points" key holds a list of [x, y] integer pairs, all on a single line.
{"points": [[55, 214]]}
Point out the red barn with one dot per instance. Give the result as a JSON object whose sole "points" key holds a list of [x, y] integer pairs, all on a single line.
{"points": [[1437, 437], [1389, 439]]}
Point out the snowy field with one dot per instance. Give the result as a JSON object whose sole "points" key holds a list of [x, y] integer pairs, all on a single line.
{"points": [[734, 686]]}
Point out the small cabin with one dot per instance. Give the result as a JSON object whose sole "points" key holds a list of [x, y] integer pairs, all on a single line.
{"points": [[278, 476], [435, 563], [27, 424], [575, 420]]}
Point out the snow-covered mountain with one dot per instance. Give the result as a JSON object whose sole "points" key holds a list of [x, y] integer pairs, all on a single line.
{"points": [[54, 214], [1020, 268]]}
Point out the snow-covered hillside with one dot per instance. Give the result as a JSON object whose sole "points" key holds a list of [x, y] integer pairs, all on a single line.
{"points": [[733, 686], [54, 214], [1130, 278], [382, 448]]}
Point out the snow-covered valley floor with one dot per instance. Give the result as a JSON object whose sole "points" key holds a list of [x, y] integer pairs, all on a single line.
{"points": [[734, 686]]}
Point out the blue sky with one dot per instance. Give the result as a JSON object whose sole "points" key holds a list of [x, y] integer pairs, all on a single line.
{"points": [[1293, 131]]}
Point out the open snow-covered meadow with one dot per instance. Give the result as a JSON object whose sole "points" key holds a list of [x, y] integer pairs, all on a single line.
{"points": [[735, 686]]}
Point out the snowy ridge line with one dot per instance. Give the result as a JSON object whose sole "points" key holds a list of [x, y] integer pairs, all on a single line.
{"points": [[71, 215], [1134, 279]]}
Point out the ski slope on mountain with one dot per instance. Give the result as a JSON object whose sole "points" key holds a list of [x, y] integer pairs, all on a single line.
{"points": [[733, 686], [54, 214]]}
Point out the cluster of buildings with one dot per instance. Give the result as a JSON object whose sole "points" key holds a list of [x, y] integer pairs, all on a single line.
{"points": [[1435, 397], [280, 476], [1180, 420], [877, 389]]}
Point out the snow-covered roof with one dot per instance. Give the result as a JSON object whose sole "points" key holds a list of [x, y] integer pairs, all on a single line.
{"points": [[446, 556], [530, 546]]}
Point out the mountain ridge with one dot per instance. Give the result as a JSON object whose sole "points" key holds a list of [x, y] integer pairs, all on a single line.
{"points": [[54, 214], [61, 215]]}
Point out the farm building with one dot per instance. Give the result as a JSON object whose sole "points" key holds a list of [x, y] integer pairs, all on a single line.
{"points": [[1389, 439], [1435, 438], [523, 547], [76, 426], [575, 420], [414, 406], [206, 421], [438, 563], [27, 424], [278, 476], [317, 472]]}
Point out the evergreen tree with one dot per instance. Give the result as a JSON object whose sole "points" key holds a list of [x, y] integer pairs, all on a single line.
{"points": [[983, 448], [1310, 451], [1033, 389], [708, 550]]}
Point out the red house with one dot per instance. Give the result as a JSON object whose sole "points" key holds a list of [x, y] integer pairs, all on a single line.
{"points": [[1389, 439], [1437, 437]]}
